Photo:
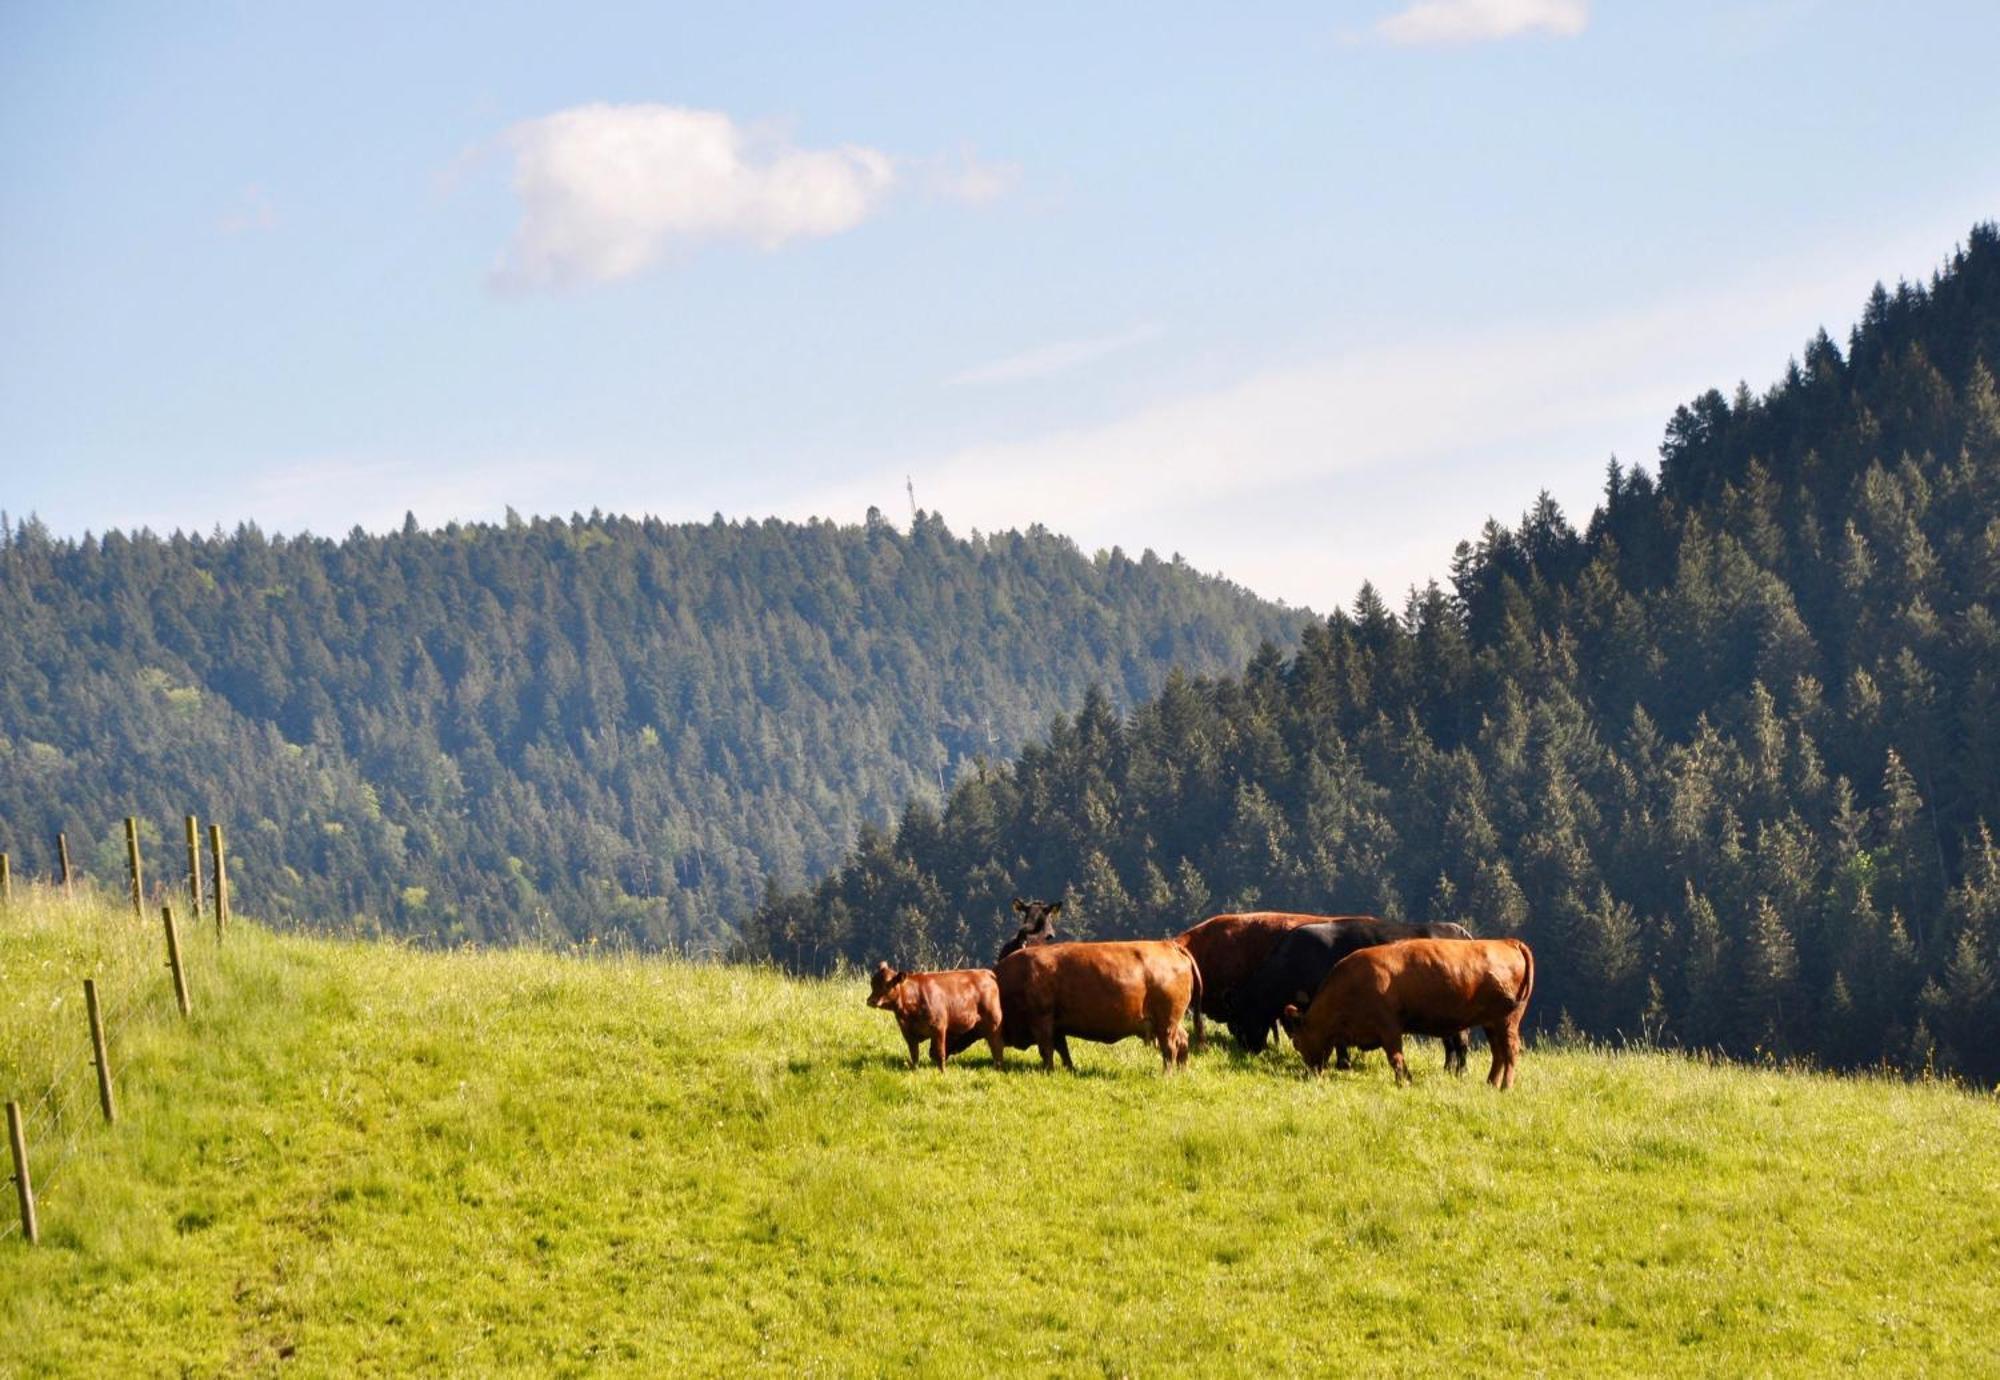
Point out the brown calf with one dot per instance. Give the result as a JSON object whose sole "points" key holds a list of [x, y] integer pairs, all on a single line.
{"points": [[950, 1009], [1103, 992], [1440, 987], [1230, 949]]}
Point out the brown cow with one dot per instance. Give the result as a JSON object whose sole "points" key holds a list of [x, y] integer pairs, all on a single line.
{"points": [[950, 1009], [1098, 991], [1229, 949], [1374, 997]]}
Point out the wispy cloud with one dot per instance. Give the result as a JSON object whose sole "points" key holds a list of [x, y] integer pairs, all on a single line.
{"points": [[1057, 358], [252, 210], [1481, 21], [1303, 480], [608, 190], [965, 177]]}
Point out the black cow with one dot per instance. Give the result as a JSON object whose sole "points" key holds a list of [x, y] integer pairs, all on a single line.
{"points": [[1038, 926], [1299, 963]]}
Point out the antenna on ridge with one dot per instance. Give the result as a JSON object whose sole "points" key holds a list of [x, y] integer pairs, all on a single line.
{"points": [[911, 485]]}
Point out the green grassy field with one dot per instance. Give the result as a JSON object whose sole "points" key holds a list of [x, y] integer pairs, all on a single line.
{"points": [[358, 1157]]}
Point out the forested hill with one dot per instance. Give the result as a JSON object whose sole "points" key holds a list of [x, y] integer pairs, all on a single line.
{"points": [[555, 728], [1727, 756]]}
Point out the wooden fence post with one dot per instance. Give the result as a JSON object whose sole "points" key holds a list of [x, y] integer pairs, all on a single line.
{"points": [[6, 880], [132, 864], [174, 959], [24, 1187], [221, 880], [97, 1050], [62, 860], [194, 867]]}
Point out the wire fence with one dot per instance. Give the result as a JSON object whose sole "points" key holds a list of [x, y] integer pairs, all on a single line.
{"points": [[64, 1110], [55, 1123]]}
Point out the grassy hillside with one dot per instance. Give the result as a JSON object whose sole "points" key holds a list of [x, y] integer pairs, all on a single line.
{"points": [[362, 1156]]}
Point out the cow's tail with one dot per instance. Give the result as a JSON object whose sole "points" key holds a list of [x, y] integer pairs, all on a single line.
{"points": [[1528, 984], [1200, 1035]]}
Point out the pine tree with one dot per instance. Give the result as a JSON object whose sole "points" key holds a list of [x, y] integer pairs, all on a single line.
{"points": [[1770, 969]]}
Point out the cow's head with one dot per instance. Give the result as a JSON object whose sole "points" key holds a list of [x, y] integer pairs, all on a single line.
{"points": [[1038, 925], [883, 984], [1312, 1047]]}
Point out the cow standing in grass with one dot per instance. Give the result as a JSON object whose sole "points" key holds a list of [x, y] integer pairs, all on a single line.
{"points": [[1437, 987], [1103, 992], [1298, 964], [950, 1009], [1229, 949]]}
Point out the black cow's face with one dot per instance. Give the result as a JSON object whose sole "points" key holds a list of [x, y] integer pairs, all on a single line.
{"points": [[883, 982], [1038, 925]]}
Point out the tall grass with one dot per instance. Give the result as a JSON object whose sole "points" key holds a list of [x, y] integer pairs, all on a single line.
{"points": [[363, 1157]]}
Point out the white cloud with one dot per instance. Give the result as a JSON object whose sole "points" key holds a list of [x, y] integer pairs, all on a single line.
{"points": [[607, 190], [1054, 359], [1479, 21]]}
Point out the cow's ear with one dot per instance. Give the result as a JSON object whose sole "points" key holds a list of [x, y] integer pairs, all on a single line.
{"points": [[1055, 909], [1020, 906]]}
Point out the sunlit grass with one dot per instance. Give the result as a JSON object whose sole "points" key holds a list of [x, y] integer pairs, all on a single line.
{"points": [[363, 1156]]}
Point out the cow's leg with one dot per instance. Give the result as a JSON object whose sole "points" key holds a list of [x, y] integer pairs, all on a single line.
{"points": [[1062, 1048], [913, 1041], [1455, 1053], [1496, 1040], [1159, 1034], [1181, 1047], [938, 1048], [1393, 1047], [1343, 1058], [997, 1045], [1045, 1041]]}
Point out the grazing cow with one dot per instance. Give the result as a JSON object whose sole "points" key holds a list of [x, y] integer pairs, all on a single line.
{"points": [[1230, 948], [1102, 991], [950, 1009], [1298, 964], [1375, 997], [1038, 925]]}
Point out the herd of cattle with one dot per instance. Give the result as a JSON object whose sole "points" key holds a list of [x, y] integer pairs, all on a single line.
{"points": [[1334, 983]]}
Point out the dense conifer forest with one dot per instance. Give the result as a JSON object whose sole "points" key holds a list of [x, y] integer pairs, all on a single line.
{"points": [[552, 729], [1729, 756]]}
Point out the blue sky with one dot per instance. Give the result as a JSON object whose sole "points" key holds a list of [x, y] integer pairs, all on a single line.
{"points": [[1302, 292]]}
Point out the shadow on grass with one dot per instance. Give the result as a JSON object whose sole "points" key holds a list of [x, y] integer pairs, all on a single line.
{"points": [[897, 1063]]}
